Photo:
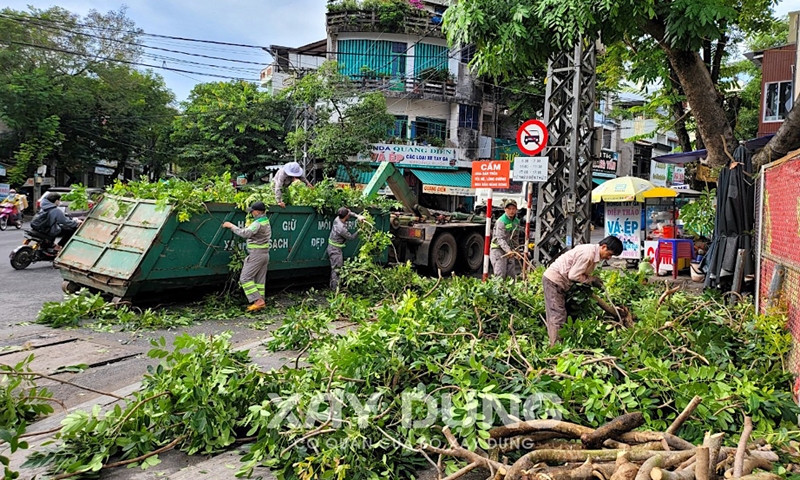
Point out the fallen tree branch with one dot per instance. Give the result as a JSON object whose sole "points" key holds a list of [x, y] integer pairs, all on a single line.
{"points": [[685, 414], [59, 380], [750, 464], [566, 429], [662, 474], [648, 466], [458, 451], [702, 467], [738, 462], [618, 426], [472, 466]]}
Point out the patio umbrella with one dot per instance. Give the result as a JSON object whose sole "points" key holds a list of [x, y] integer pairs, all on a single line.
{"points": [[734, 221], [622, 189]]}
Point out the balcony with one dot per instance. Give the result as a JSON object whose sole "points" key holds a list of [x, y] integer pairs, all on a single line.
{"points": [[442, 91], [420, 22]]}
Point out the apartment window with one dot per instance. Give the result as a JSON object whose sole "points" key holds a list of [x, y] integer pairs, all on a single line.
{"points": [[371, 58], [606, 139], [777, 101], [428, 128], [400, 129], [468, 116], [468, 53], [427, 56]]}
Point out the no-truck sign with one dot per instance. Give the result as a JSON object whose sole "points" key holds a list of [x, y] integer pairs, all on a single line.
{"points": [[532, 137]]}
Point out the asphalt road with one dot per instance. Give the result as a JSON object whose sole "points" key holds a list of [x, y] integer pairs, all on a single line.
{"points": [[23, 291]]}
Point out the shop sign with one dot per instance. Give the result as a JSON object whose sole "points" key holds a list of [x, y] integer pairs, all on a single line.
{"points": [[103, 171], [624, 222], [491, 174], [46, 182], [411, 155], [443, 190], [4, 189], [606, 165], [666, 175], [2, 171]]}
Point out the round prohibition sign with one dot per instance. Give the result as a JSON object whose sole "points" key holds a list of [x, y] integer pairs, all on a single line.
{"points": [[532, 137]]}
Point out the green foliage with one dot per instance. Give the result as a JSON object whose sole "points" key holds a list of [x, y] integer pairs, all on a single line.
{"points": [[359, 119], [21, 401], [698, 216], [199, 394], [462, 343], [230, 126], [78, 198], [187, 198], [85, 306], [68, 100]]}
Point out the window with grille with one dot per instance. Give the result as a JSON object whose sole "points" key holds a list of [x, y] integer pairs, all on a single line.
{"points": [[468, 116], [427, 56], [371, 58], [424, 128], [400, 129], [777, 101]]}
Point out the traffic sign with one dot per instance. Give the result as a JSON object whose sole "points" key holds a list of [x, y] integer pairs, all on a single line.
{"points": [[530, 169], [532, 137], [491, 174]]}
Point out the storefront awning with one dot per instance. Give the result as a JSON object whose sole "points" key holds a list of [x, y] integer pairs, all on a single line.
{"points": [[686, 157], [599, 181], [362, 176], [445, 183]]}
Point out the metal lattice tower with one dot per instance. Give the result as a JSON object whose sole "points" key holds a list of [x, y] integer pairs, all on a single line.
{"points": [[563, 210]]}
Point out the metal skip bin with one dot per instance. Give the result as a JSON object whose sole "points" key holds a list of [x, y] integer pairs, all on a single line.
{"points": [[130, 247]]}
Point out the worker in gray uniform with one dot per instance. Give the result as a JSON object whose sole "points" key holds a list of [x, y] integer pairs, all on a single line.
{"points": [[253, 278], [504, 230], [286, 175], [336, 242]]}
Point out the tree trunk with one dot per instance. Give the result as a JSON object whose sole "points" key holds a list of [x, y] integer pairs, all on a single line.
{"points": [[785, 140], [680, 115], [706, 108]]}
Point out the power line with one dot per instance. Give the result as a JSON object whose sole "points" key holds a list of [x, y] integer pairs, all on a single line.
{"points": [[143, 33], [110, 39], [128, 62]]}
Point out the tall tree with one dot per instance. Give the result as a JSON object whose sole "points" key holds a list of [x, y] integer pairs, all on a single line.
{"points": [[682, 30], [346, 120], [230, 126], [68, 94]]}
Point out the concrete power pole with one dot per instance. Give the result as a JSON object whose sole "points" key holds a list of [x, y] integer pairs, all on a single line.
{"points": [[564, 202]]}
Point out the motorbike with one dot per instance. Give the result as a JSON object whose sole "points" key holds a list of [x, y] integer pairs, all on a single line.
{"points": [[35, 248], [7, 212]]}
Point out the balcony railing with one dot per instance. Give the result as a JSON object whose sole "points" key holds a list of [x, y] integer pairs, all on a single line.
{"points": [[410, 87], [370, 21]]}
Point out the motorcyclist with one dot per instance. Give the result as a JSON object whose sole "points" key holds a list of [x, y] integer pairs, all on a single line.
{"points": [[51, 221], [18, 200]]}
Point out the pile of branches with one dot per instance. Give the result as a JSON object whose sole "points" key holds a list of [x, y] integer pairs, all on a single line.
{"points": [[558, 450]]}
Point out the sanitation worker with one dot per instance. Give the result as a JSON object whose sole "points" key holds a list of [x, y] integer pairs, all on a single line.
{"points": [[286, 175], [254, 272], [504, 230], [336, 242], [576, 265]]}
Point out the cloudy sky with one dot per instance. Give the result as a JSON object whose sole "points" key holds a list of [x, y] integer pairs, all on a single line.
{"points": [[253, 22]]}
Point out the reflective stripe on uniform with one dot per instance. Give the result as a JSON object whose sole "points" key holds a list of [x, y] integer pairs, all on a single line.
{"points": [[256, 246], [334, 244]]}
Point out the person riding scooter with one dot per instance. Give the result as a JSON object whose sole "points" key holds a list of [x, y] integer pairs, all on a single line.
{"points": [[19, 201], [51, 221]]}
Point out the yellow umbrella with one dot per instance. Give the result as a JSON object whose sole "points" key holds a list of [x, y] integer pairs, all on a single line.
{"points": [[660, 192], [622, 189]]}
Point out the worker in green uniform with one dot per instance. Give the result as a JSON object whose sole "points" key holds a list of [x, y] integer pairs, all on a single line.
{"points": [[336, 242], [504, 230], [253, 278]]}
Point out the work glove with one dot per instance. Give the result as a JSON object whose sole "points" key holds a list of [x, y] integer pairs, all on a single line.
{"points": [[597, 283]]}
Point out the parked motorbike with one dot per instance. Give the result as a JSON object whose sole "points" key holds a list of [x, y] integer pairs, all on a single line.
{"points": [[7, 212], [35, 248]]}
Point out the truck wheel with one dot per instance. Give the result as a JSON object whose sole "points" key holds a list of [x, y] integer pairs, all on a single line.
{"points": [[443, 253], [470, 251], [68, 286]]}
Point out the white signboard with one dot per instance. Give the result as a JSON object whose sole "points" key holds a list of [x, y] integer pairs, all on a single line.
{"points": [[2, 171], [4, 189], [411, 155], [103, 171], [46, 181], [530, 169], [624, 221], [443, 190], [658, 173]]}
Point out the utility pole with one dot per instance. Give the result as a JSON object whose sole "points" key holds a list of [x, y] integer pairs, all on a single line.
{"points": [[308, 167], [563, 206]]}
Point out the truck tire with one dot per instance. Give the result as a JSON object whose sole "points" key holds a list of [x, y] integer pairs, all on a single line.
{"points": [[444, 253], [470, 251]]}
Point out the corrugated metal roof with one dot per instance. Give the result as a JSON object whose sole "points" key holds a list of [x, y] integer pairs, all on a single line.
{"points": [[445, 179], [361, 176]]}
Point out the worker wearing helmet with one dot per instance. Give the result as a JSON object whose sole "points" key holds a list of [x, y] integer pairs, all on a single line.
{"points": [[504, 230], [253, 278], [18, 200], [286, 175], [336, 242]]}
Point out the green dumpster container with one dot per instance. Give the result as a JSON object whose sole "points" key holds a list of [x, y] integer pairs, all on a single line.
{"points": [[147, 250]]}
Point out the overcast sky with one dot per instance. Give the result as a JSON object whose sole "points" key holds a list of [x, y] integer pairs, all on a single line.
{"points": [[254, 22]]}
